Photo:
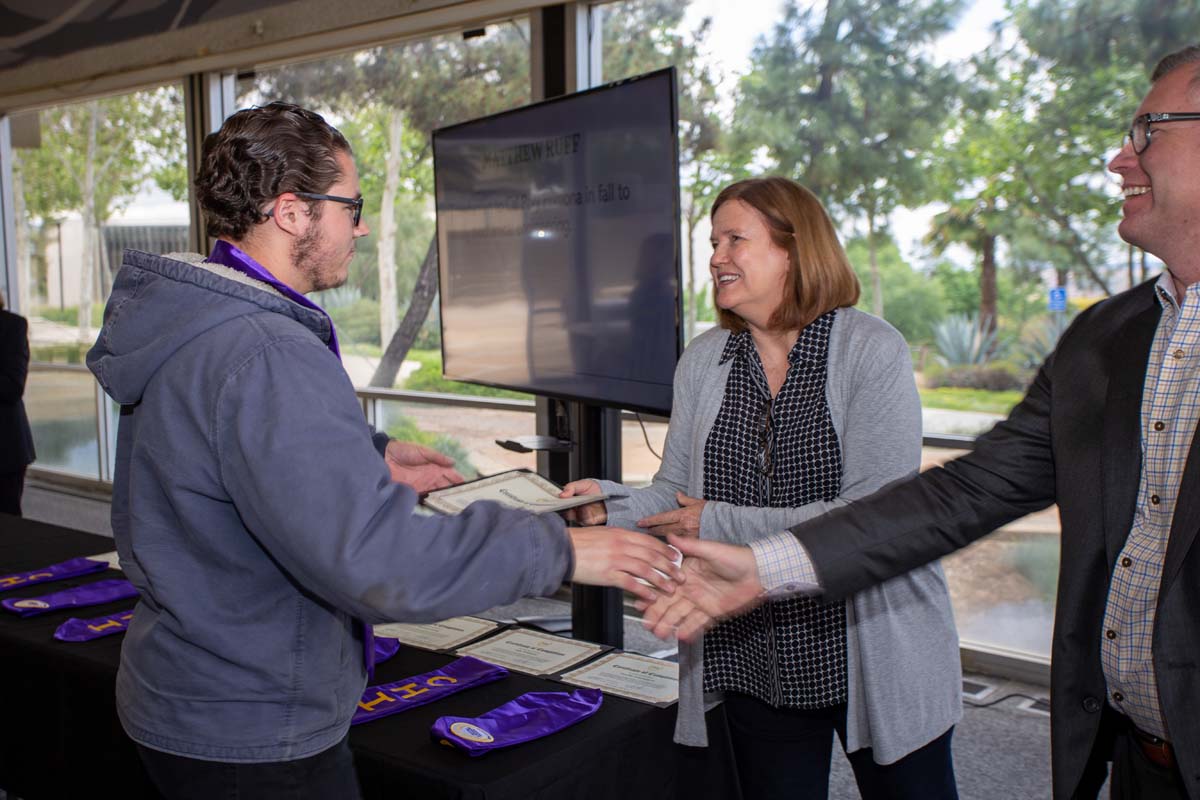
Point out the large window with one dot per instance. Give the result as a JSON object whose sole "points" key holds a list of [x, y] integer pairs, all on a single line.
{"points": [[90, 179], [387, 100], [960, 150]]}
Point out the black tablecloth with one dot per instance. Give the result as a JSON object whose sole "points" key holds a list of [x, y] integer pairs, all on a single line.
{"points": [[59, 735]]}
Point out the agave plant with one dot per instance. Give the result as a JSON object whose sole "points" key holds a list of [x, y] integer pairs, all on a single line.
{"points": [[964, 340], [1037, 345]]}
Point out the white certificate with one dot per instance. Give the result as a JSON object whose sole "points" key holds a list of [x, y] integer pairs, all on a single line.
{"points": [[108, 558], [649, 680], [531, 652], [518, 488], [438, 635]]}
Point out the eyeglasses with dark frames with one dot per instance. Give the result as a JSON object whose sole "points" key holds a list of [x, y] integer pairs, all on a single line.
{"points": [[1140, 131], [355, 202]]}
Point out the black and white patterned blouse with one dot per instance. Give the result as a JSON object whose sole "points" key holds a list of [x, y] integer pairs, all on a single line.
{"points": [[780, 453]]}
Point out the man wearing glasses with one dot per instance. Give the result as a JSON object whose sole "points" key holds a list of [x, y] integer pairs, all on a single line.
{"points": [[1106, 431], [251, 505]]}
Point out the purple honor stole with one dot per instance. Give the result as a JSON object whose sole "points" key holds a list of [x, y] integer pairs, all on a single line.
{"points": [[84, 630], [55, 572], [92, 594], [531, 716], [227, 255], [392, 698], [384, 648]]}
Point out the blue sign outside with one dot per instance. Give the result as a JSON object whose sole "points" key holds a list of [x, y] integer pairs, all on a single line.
{"points": [[1058, 298]]}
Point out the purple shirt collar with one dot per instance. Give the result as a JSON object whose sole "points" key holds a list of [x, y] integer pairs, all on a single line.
{"points": [[228, 255]]}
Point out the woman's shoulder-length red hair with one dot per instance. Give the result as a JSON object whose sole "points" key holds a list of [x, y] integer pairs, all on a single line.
{"points": [[819, 277]]}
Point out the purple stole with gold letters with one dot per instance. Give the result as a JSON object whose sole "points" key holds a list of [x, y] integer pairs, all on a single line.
{"points": [[55, 572], [392, 698], [84, 630]]}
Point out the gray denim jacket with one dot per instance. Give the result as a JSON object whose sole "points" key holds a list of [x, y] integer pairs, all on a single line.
{"points": [[905, 677], [253, 512]]}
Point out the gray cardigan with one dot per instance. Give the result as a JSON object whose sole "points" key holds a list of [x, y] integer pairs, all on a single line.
{"points": [[905, 678]]}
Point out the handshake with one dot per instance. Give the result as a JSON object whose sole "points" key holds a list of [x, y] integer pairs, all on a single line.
{"points": [[684, 586]]}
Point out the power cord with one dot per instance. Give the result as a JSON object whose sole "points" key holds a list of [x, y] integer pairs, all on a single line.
{"points": [[646, 436], [1009, 696]]}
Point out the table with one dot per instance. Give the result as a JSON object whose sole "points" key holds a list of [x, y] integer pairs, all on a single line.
{"points": [[61, 738]]}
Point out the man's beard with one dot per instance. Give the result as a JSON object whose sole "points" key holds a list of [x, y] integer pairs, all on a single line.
{"points": [[310, 258]]}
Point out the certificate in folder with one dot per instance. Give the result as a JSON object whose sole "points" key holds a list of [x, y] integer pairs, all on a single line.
{"points": [[519, 488]]}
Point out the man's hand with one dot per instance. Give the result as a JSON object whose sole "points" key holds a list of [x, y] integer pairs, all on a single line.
{"points": [[722, 581], [617, 557], [683, 521], [590, 514], [420, 467]]}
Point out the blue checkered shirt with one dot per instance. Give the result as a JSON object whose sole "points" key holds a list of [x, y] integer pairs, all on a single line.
{"points": [[1170, 410]]}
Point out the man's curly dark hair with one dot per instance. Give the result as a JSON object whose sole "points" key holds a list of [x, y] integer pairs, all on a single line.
{"points": [[258, 154]]}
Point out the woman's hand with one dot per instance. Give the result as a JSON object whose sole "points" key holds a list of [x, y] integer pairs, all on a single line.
{"points": [[591, 514], [616, 557], [683, 521]]}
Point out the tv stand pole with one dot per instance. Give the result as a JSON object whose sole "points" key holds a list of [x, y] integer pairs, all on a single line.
{"points": [[597, 613]]}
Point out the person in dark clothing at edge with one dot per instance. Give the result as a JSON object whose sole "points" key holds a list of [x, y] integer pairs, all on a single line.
{"points": [[16, 439], [264, 523]]}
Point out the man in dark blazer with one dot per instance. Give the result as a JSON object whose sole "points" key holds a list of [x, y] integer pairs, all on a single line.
{"points": [[1107, 431], [16, 440]]}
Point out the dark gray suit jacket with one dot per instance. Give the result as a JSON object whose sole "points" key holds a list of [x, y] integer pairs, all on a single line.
{"points": [[16, 440], [1074, 440]]}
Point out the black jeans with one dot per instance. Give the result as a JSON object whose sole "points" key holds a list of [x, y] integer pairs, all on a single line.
{"points": [[785, 753], [328, 774]]}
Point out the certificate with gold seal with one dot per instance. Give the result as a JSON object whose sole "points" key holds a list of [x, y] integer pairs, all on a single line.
{"points": [[444, 635], [641, 678], [532, 652]]}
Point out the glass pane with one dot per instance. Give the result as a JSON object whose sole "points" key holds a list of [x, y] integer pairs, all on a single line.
{"points": [[978, 266], [101, 176], [1003, 586], [468, 435], [641, 453], [61, 404], [387, 100]]}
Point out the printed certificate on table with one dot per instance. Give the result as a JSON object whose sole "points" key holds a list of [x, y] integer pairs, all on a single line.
{"points": [[641, 678], [442, 635], [531, 652], [109, 558], [518, 488]]}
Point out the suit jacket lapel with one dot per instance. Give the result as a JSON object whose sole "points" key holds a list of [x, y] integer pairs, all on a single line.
{"points": [[1127, 357]]}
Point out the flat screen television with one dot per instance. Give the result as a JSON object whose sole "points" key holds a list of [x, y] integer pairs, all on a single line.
{"points": [[558, 246]]}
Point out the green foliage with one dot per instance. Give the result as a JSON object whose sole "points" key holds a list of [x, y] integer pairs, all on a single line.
{"points": [[914, 303], [962, 399], [1037, 344], [964, 340], [702, 303], [429, 379], [69, 353], [405, 429], [995, 377], [357, 322], [844, 97]]}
